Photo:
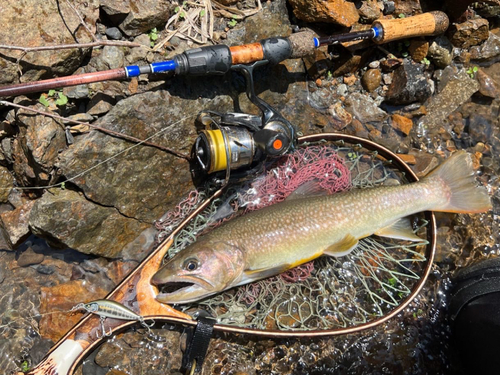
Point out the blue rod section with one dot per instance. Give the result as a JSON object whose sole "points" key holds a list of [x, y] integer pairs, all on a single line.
{"points": [[164, 66], [159, 67]]}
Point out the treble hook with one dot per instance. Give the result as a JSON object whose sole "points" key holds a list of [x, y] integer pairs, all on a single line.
{"points": [[103, 329]]}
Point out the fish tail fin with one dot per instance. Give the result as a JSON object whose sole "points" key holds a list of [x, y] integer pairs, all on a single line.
{"points": [[463, 195]]}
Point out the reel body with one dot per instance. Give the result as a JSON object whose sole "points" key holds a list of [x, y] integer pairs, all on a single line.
{"points": [[233, 141]]}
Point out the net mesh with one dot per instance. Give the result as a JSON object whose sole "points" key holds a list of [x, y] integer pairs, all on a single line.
{"points": [[327, 293]]}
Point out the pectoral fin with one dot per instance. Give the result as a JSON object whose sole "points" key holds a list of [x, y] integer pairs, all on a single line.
{"points": [[250, 275], [401, 230], [343, 247]]}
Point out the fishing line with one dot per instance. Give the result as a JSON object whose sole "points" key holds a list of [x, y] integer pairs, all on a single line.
{"points": [[100, 163]]}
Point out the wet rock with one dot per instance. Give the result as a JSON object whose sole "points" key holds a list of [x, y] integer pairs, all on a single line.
{"points": [[488, 51], [424, 162], [440, 51], [40, 140], [129, 352], [347, 65], [370, 11], [418, 49], [457, 91], [389, 7], [401, 123], [409, 84], [371, 79], [408, 159], [136, 17], [390, 64], [318, 63], [94, 229], [61, 298], [469, 33], [114, 33], [341, 118], [40, 24], [364, 108], [487, 86], [336, 11], [29, 257], [6, 184], [15, 224], [350, 80]]}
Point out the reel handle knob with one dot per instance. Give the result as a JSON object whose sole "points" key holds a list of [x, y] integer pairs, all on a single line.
{"points": [[271, 142]]}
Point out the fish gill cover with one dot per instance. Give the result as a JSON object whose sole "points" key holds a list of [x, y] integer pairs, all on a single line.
{"points": [[327, 293]]}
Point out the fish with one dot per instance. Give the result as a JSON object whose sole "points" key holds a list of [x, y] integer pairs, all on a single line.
{"points": [[271, 240]]}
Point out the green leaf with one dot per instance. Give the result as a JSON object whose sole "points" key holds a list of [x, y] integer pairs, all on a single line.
{"points": [[176, 9], [25, 366], [401, 15], [63, 185], [52, 92], [182, 14], [152, 44], [232, 23], [43, 100], [202, 12], [475, 69], [63, 99], [153, 37]]}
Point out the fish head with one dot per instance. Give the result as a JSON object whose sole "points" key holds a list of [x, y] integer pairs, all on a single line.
{"points": [[202, 269]]}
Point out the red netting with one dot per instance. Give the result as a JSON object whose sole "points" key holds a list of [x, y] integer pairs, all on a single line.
{"points": [[173, 216], [317, 163]]}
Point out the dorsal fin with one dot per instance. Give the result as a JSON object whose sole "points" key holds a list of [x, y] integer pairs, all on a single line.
{"points": [[307, 189]]}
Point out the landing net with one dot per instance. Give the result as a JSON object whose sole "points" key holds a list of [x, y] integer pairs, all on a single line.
{"points": [[327, 293]]}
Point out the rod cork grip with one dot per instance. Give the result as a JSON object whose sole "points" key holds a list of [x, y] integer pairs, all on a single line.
{"points": [[302, 44], [247, 53], [425, 24]]}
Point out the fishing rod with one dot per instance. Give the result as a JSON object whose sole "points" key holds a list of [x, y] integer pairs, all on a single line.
{"points": [[219, 59]]}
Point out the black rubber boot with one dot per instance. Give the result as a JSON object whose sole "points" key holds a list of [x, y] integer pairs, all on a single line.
{"points": [[475, 319]]}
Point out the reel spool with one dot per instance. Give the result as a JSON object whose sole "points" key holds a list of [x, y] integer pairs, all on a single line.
{"points": [[238, 144]]}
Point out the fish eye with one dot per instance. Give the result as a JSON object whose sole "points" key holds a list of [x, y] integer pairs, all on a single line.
{"points": [[191, 264]]}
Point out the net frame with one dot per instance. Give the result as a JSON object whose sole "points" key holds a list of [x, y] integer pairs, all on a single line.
{"points": [[384, 154]]}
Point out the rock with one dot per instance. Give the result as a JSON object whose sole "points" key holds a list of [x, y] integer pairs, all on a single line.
{"points": [[29, 257], [424, 162], [487, 86], [364, 108], [94, 229], [100, 104], [137, 17], [111, 57], [335, 11], [440, 51], [409, 84], [370, 11], [347, 65], [77, 92], [371, 79], [61, 298], [488, 51], [457, 91], [114, 33], [127, 352], [341, 118], [81, 117], [350, 80], [40, 140], [401, 123], [389, 7], [374, 64], [418, 50], [407, 7], [41, 24], [15, 224], [390, 64], [408, 159], [6, 184], [318, 63], [147, 181], [469, 33]]}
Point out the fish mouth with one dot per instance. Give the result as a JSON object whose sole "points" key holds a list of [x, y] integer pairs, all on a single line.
{"points": [[183, 289]]}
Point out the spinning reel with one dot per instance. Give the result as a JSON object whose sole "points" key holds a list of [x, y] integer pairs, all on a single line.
{"points": [[234, 141]]}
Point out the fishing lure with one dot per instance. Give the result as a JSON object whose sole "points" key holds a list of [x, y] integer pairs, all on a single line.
{"points": [[110, 309]]}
